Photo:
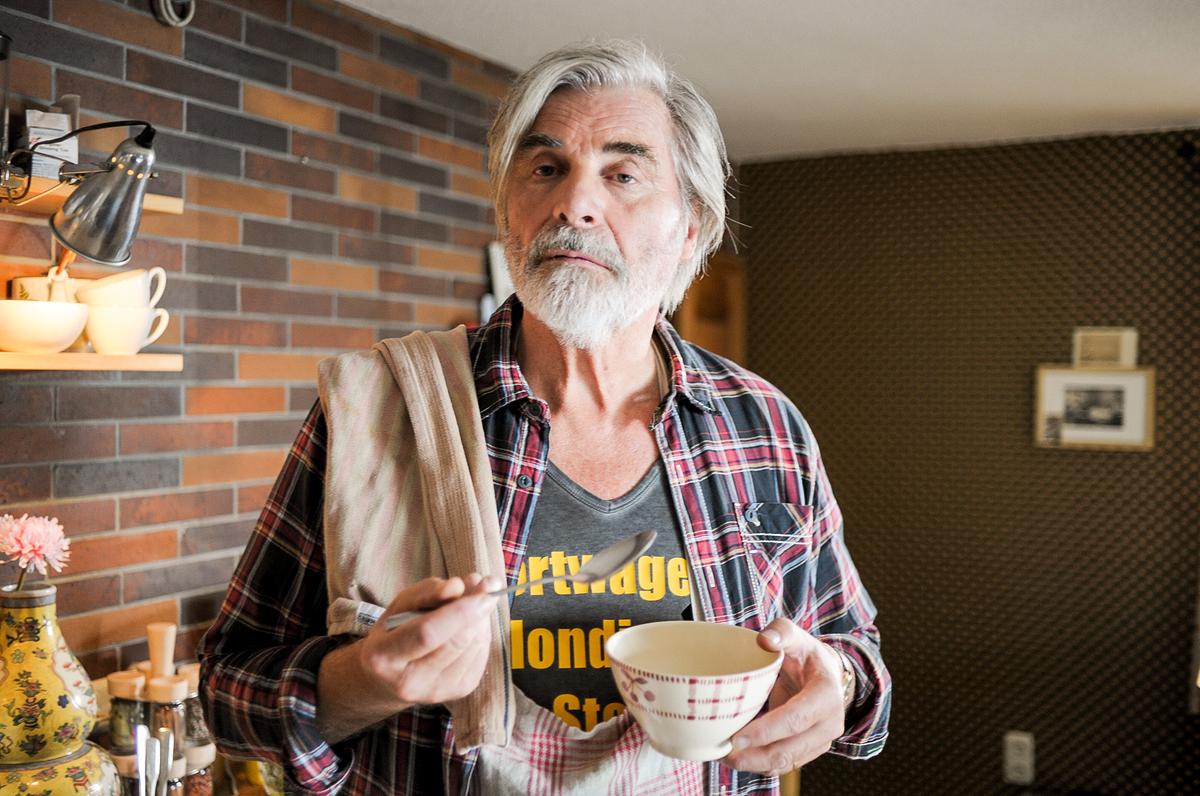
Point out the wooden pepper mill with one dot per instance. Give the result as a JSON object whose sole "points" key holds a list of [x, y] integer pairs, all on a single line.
{"points": [[160, 636]]}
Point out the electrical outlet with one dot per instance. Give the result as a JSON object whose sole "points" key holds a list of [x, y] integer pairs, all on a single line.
{"points": [[1018, 757]]}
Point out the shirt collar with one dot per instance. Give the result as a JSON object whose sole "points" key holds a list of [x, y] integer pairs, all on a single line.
{"points": [[498, 378], [688, 377], [500, 382]]}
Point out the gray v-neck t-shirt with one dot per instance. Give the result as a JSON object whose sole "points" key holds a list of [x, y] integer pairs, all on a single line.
{"points": [[558, 630]]}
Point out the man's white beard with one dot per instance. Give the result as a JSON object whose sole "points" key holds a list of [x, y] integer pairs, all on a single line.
{"points": [[583, 306]]}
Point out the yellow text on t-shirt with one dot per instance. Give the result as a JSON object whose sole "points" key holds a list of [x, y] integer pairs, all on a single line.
{"points": [[651, 577]]}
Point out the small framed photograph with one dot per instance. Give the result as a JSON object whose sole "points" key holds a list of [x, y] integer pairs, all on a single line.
{"points": [[1109, 409], [1105, 347]]}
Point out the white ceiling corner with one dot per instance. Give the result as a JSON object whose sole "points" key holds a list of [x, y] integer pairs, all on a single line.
{"points": [[794, 77]]}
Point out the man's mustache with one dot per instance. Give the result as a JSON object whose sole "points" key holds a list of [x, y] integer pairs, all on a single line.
{"points": [[588, 244]]}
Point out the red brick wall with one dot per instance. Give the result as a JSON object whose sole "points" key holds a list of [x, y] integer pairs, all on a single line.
{"points": [[332, 171]]}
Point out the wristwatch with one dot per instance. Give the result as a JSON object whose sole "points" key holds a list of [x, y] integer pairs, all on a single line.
{"points": [[847, 680]]}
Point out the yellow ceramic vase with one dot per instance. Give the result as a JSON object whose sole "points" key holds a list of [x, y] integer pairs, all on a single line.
{"points": [[47, 706], [87, 772]]}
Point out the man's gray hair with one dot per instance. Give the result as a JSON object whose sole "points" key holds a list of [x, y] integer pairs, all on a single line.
{"points": [[701, 164]]}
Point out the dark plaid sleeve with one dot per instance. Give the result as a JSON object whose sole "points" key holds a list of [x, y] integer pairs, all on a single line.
{"points": [[843, 616], [261, 655]]}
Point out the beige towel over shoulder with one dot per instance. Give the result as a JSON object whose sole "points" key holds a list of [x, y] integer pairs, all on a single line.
{"points": [[409, 494]]}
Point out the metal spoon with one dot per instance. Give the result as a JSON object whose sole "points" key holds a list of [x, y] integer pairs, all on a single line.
{"points": [[141, 735], [600, 566], [150, 770], [166, 757]]}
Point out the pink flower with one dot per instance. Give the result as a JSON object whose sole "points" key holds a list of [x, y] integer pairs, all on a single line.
{"points": [[34, 541]]}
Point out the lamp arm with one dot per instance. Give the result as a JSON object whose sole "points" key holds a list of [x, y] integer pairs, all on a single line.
{"points": [[75, 171], [143, 138], [5, 46]]}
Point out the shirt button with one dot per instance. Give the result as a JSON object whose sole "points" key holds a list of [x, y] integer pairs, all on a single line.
{"points": [[752, 516], [524, 481]]}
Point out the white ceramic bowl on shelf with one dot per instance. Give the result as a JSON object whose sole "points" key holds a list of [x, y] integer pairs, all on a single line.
{"points": [[40, 327]]}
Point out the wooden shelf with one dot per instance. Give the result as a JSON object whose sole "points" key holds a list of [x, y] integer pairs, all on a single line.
{"points": [[46, 205], [71, 361]]}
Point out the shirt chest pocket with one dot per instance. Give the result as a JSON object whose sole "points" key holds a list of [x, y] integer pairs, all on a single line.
{"points": [[778, 539]]}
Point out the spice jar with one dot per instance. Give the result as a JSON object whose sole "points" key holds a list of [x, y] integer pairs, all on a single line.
{"points": [[175, 780], [199, 780], [197, 730], [127, 771], [167, 695], [128, 709]]}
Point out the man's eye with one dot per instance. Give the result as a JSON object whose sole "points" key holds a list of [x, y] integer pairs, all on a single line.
{"points": [[624, 179], [544, 170]]}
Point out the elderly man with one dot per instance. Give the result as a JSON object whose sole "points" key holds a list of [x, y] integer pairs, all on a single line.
{"points": [[609, 175]]}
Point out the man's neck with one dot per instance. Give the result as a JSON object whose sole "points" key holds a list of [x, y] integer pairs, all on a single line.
{"points": [[595, 382]]}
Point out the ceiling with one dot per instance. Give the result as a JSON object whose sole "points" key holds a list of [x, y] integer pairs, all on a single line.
{"points": [[809, 76]]}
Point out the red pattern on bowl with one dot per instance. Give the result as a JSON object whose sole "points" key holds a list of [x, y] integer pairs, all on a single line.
{"points": [[690, 713]]}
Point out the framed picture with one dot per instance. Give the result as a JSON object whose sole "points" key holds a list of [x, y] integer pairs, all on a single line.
{"points": [[1110, 409], [1105, 347], [1194, 674]]}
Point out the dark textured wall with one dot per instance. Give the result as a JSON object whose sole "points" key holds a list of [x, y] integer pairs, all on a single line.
{"points": [[903, 300]]}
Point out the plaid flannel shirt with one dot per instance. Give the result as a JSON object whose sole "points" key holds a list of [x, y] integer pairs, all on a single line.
{"points": [[761, 530]]}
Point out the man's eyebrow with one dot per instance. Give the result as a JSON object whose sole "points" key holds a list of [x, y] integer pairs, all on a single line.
{"points": [[627, 148], [535, 140]]}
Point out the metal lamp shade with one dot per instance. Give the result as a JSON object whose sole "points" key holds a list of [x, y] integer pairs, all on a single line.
{"points": [[100, 219]]}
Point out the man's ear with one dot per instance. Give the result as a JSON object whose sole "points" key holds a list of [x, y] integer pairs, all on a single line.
{"points": [[692, 237]]}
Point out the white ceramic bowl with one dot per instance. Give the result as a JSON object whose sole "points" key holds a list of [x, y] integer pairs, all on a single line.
{"points": [[692, 685], [40, 327]]}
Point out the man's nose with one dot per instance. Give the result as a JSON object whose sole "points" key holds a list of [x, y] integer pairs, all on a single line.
{"points": [[579, 202]]}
